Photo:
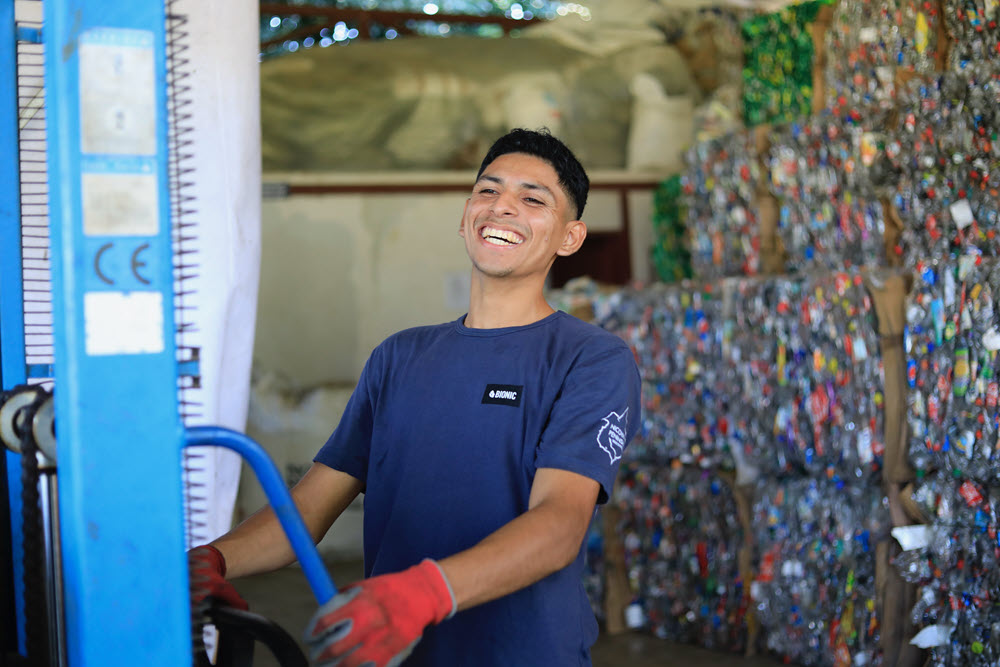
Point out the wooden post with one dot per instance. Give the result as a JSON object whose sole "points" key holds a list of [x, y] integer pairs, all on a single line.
{"points": [[617, 593], [765, 206], [817, 30]]}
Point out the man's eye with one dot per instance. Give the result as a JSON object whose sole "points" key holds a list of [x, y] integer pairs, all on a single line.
{"points": [[532, 200], [487, 191]]}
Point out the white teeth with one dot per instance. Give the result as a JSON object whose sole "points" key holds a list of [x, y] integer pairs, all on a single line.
{"points": [[500, 236]]}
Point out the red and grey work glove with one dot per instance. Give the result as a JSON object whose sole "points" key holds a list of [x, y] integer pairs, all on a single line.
{"points": [[207, 570], [378, 621]]}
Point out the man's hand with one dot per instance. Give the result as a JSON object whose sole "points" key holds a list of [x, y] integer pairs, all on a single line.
{"points": [[378, 621], [207, 569]]}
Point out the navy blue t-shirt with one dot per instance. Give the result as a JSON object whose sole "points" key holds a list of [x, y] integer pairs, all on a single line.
{"points": [[446, 429]]}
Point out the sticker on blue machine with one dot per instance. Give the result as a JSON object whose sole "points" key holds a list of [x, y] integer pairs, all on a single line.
{"points": [[121, 196], [120, 183], [117, 92], [123, 323]]}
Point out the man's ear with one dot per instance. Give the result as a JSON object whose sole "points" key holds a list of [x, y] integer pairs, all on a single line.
{"points": [[461, 221], [576, 232]]}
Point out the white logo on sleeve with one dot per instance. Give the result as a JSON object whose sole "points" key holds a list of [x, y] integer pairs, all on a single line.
{"points": [[611, 437]]}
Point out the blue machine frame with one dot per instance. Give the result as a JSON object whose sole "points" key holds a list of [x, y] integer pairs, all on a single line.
{"points": [[121, 510], [278, 497], [13, 369], [120, 498]]}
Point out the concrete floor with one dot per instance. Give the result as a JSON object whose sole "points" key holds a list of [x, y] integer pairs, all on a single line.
{"points": [[284, 597]]}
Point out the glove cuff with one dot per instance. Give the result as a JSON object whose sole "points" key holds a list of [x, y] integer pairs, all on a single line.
{"points": [[213, 556], [443, 593]]}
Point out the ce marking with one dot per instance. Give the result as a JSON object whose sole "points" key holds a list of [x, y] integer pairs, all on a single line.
{"points": [[136, 264]]}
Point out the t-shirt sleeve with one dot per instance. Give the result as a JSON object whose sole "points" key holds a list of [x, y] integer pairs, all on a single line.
{"points": [[348, 447], [595, 416]]}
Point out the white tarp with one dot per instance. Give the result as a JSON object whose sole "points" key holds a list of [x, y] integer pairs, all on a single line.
{"points": [[225, 97], [424, 103]]}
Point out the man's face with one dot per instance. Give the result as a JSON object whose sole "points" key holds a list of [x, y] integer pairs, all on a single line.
{"points": [[518, 218]]}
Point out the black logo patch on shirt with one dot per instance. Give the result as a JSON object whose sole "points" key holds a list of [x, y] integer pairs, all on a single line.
{"points": [[503, 394]]}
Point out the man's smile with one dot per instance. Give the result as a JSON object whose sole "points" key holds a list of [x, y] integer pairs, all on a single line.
{"points": [[501, 237]]}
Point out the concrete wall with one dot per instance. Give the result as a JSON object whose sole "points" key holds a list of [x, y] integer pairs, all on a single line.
{"points": [[341, 272]]}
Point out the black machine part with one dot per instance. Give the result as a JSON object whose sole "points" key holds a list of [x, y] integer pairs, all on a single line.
{"points": [[238, 632], [8, 637], [13, 406], [18, 408]]}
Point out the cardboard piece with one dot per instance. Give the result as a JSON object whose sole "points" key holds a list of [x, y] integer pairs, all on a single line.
{"points": [[617, 593], [743, 496], [889, 292], [910, 506], [893, 234], [895, 597], [817, 29], [772, 250]]}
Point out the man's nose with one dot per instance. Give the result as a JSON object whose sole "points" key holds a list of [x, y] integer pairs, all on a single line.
{"points": [[505, 204]]}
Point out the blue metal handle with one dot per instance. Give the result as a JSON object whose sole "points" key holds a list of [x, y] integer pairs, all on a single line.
{"points": [[279, 497]]}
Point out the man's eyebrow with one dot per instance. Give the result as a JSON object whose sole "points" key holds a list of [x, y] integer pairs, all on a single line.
{"points": [[524, 184], [538, 186], [491, 179]]}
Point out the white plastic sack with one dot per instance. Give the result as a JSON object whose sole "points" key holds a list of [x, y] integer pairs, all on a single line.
{"points": [[662, 126], [292, 424], [535, 102], [224, 75]]}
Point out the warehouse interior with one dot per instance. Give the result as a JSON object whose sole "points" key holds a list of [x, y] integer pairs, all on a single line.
{"points": [[792, 223]]}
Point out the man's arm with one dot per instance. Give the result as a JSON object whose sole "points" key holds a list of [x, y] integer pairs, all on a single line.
{"points": [[541, 541], [380, 620], [259, 544]]}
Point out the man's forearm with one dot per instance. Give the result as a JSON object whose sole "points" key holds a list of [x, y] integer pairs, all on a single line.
{"points": [[541, 541], [255, 546], [259, 544], [517, 555]]}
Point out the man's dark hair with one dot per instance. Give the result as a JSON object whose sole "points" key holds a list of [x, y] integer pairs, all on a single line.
{"points": [[543, 145]]}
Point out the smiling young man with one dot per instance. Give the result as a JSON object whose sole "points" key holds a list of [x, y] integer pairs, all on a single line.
{"points": [[482, 446]]}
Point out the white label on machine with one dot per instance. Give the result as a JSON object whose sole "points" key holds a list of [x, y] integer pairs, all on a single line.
{"points": [[117, 92], [120, 204], [123, 323]]}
